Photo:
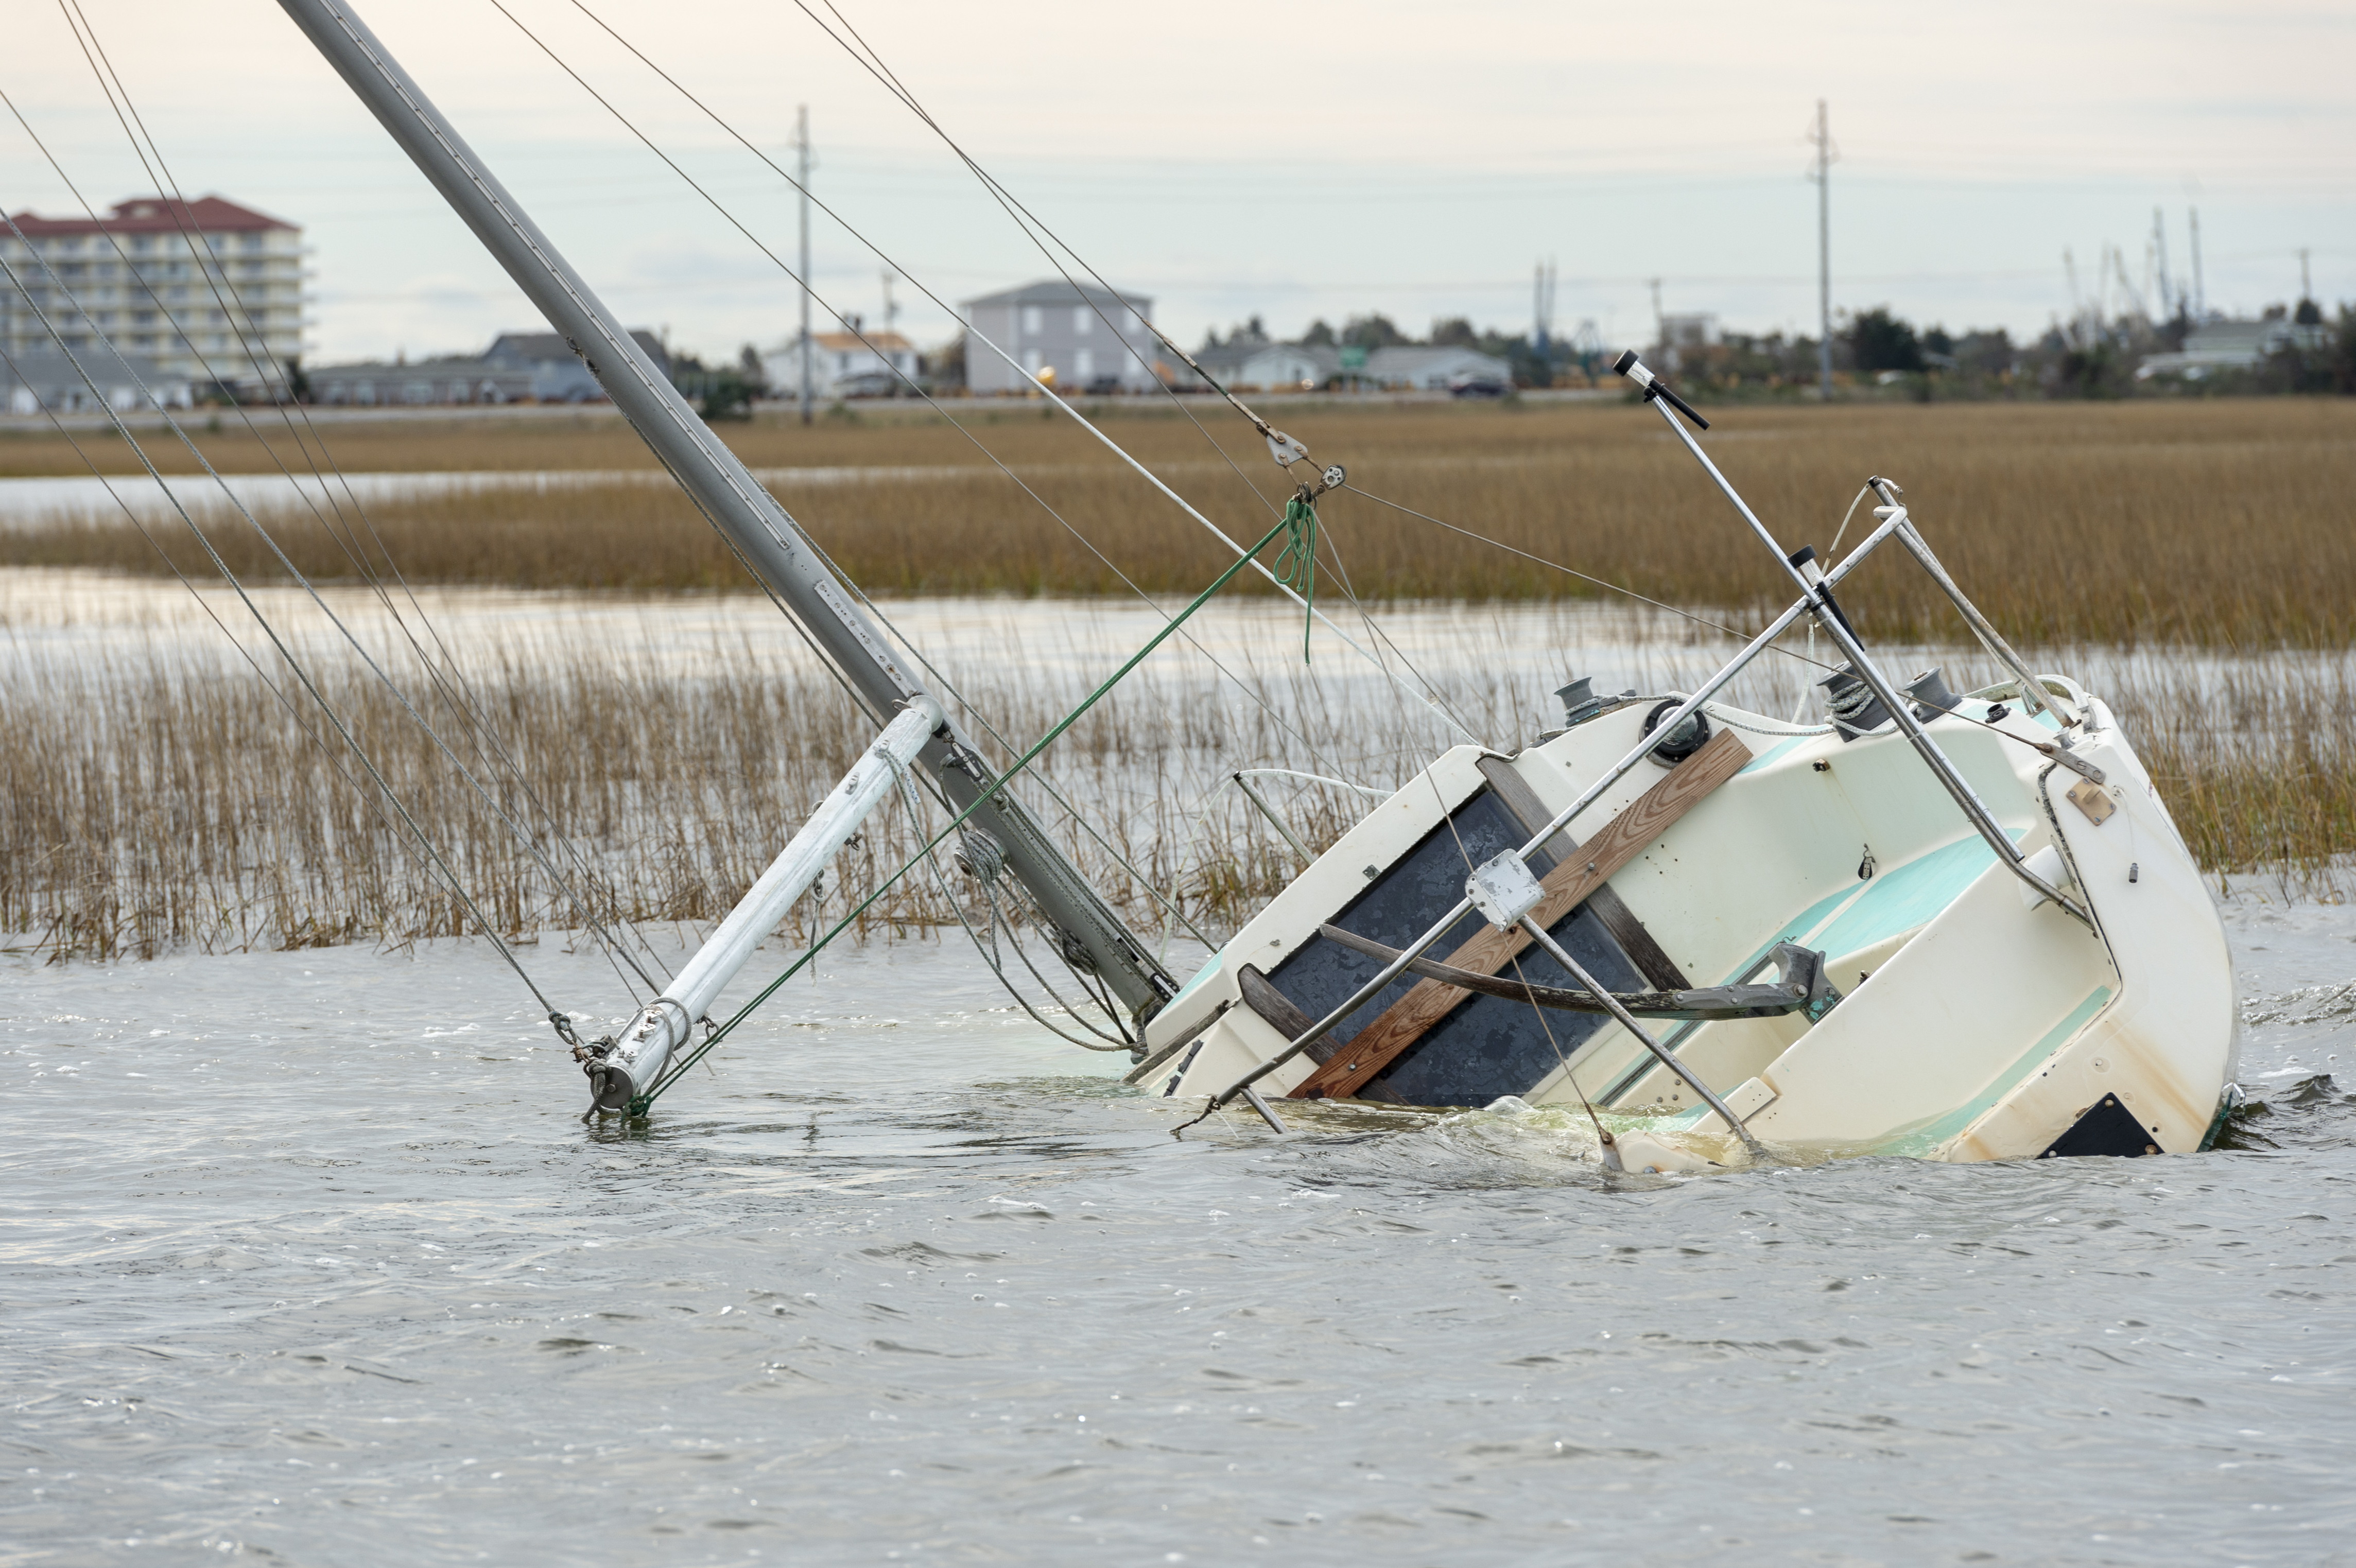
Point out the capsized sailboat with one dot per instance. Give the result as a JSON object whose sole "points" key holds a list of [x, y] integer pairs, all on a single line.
{"points": [[1955, 927]]}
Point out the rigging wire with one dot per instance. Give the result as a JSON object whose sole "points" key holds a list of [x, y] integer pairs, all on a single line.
{"points": [[989, 950], [1433, 701], [284, 561], [294, 711], [294, 665], [476, 724], [1032, 228], [857, 330]]}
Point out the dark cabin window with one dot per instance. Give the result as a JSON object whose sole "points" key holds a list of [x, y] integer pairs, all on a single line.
{"points": [[1487, 1046]]}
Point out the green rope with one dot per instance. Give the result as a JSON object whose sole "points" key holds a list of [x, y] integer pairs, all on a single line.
{"points": [[1296, 563], [1290, 525]]}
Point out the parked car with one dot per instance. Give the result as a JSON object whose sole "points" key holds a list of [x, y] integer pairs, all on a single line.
{"points": [[871, 384], [1476, 387]]}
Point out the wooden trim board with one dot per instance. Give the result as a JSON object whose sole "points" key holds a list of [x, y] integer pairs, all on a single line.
{"points": [[1568, 885], [1514, 793]]}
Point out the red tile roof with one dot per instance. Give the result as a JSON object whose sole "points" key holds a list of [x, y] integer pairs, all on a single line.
{"points": [[156, 215]]}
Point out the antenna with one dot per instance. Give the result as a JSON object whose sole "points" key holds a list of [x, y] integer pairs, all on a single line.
{"points": [[2199, 289], [1587, 344], [891, 308], [2306, 284], [1823, 137], [2168, 301], [801, 144], [1542, 310]]}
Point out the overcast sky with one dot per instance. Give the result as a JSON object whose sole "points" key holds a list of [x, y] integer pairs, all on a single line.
{"points": [[1284, 158]]}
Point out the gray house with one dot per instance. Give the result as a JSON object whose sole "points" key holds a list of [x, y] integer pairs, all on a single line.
{"points": [[519, 366], [43, 377], [1092, 338]]}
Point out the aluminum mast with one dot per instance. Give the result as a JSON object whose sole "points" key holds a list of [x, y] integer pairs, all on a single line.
{"points": [[769, 540]]}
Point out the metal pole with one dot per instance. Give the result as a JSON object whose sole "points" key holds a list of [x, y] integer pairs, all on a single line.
{"points": [[2033, 696], [802, 141], [1667, 1058], [1824, 254], [1275, 821], [2200, 288], [1901, 710], [646, 1044], [770, 542]]}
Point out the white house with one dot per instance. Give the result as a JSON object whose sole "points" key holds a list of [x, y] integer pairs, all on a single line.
{"points": [[1432, 369], [1257, 365], [1094, 339], [2231, 345], [843, 365]]}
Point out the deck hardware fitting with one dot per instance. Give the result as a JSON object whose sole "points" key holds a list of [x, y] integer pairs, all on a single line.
{"points": [[1502, 889]]}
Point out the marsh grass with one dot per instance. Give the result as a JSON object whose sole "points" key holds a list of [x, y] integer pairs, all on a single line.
{"points": [[2219, 525], [155, 801], [154, 804]]}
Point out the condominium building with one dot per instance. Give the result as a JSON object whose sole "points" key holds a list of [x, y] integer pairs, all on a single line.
{"points": [[209, 291]]}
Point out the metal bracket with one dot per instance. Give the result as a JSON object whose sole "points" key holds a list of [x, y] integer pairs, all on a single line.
{"points": [[2079, 765], [1504, 890], [1285, 449]]}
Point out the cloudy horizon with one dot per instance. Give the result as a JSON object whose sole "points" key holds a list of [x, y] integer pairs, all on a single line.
{"points": [[1290, 161]]}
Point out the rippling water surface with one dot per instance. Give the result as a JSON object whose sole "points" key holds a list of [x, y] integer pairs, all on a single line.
{"points": [[309, 1257]]}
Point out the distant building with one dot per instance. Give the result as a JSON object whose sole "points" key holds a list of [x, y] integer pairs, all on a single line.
{"points": [[1412, 367], [1093, 338], [1257, 365], [558, 375], [1686, 330], [1253, 363], [210, 292], [518, 367], [843, 365], [2231, 345], [43, 377]]}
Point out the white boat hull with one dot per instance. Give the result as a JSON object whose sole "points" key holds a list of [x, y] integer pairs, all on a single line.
{"points": [[1972, 1025]]}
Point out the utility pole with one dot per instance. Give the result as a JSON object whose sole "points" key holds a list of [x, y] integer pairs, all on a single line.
{"points": [[801, 144], [2159, 247], [890, 310], [1823, 137], [2199, 289], [1660, 323], [2306, 283]]}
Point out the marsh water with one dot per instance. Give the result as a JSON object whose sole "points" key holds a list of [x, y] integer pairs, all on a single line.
{"points": [[310, 1258]]}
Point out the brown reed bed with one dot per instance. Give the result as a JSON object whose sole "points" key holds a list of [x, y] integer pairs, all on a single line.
{"points": [[157, 805], [2210, 524], [151, 801]]}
